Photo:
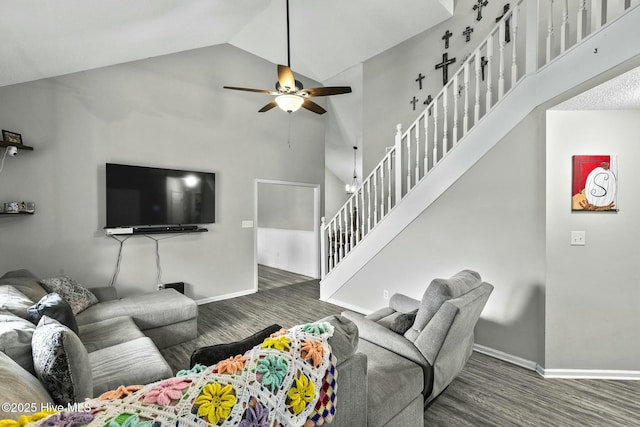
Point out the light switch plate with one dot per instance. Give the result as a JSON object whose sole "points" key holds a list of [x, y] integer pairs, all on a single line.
{"points": [[578, 238]]}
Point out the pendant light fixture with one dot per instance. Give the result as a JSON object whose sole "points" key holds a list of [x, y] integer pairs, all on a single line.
{"points": [[351, 188]]}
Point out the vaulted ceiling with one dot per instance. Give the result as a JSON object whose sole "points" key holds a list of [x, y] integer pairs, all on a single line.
{"points": [[45, 38]]}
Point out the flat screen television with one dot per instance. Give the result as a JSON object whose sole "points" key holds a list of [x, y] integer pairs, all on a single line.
{"points": [[139, 196]]}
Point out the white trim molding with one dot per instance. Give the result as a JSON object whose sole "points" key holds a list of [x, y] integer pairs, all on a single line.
{"points": [[348, 306], [506, 357], [226, 296], [591, 374]]}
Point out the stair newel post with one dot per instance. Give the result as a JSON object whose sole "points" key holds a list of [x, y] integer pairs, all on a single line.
{"points": [[456, 95], [465, 117], [398, 151], [489, 77], [581, 23], [502, 44], [550, 32], [476, 107], [515, 22], [323, 248], [564, 28]]}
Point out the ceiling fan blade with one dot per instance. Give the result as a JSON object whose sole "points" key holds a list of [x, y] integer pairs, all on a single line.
{"points": [[285, 77], [246, 89], [268, 107], [312, 106], [326, 91]]}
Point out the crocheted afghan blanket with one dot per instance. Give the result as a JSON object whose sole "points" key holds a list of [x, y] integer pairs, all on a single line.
{"points": [[288, 380]]}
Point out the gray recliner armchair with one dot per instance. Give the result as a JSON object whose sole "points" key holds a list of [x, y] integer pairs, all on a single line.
{"points": [[416, 348]]}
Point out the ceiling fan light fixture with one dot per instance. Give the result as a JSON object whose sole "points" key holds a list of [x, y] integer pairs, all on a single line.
{"points": [[289, 102]]}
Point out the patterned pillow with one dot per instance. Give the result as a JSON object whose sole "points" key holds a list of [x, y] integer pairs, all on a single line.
{"points": [[78, 297], [61, 362]]}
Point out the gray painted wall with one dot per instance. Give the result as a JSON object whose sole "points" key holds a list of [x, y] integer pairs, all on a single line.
{"points": [[492, 221], [592, 290], [169, 111], [288, 207]]}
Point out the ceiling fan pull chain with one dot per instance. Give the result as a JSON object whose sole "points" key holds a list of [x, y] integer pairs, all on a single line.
{"points": [[289, 127]]}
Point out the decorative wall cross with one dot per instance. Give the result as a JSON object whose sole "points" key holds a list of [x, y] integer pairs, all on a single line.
{"points": [[467, 34], [446, 38], [507, 27], [483, 63], [414, 101], [419, 80], [479, 6], [445, 67]]}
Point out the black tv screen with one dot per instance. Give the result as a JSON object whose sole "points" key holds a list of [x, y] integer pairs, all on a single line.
{"points": [[145, 196]]}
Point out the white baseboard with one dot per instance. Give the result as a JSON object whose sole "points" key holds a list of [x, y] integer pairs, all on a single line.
{"points": [[348, 306], [510, 358], [225, 296], [591, 374]]}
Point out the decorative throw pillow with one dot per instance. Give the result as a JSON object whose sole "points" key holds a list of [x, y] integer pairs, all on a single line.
{"points": [[14, 301], [15, 339], [213, 354], [19, 387], [61, 362], [78, 297], [54, 306], [402, 323]]}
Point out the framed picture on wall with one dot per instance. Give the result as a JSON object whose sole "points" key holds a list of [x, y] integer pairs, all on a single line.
{"points": [[594, 185]]}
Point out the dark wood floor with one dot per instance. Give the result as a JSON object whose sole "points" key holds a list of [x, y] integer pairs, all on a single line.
{"points": [[488, 392], [270, 277]]}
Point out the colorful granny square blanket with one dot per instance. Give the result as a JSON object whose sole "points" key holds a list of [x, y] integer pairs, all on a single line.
{"points": [[288, 380]]}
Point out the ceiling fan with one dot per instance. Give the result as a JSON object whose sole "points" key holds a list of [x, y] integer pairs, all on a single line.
{"points": [[290, 94]]}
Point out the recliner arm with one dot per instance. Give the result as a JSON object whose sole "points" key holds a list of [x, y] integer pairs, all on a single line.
{"points": [[386, 338]]}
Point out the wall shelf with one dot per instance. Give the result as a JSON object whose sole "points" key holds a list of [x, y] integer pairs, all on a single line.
{"points": [[17, 213], [18, 146]]}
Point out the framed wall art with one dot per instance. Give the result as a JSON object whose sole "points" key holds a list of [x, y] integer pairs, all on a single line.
{"points": [[594, 185]]}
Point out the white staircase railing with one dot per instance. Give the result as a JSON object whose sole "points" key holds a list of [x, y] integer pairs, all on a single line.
{"points": [[507, 54]]}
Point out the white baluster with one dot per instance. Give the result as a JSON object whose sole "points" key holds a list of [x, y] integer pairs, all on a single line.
{"points": [[375, 196], [409, 160], [488, 75], [445, 123], [369, 205], [417, 178], [362, 226], [550, 33], [345, 220], [465, 118], [382, 188], [390, 189], [331, 246], [398, 152], [564, 28], [352, 233], [501, 45], [340, 238], [456, 95], [598, 14], [515, 18], [426, 143], [478, 66], [357, 217], [435, 131], [581, 23]]}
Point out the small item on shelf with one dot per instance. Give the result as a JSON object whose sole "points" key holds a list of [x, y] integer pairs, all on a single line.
{"points": [[18, 207], [11, 137]]}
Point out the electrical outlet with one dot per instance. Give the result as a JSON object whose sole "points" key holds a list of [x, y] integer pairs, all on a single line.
{"points": [[385, 294]]}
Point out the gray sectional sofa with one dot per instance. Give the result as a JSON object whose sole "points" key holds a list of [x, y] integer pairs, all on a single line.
{"points": [[116, 344]]}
